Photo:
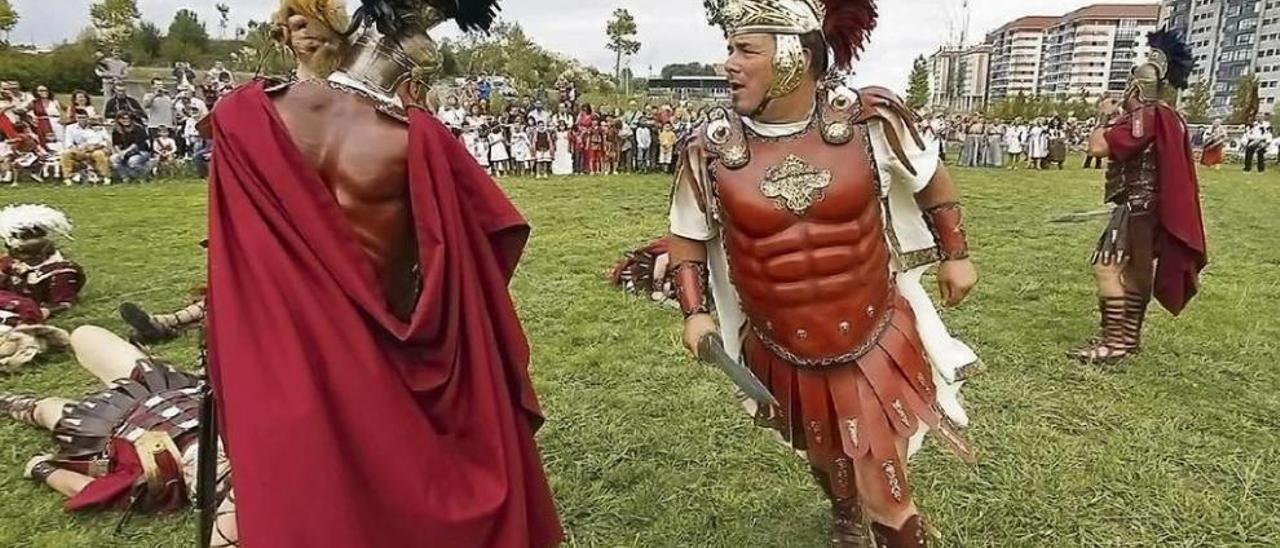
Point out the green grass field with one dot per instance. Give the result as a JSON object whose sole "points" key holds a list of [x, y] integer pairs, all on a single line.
{"points": [[647, 449]]}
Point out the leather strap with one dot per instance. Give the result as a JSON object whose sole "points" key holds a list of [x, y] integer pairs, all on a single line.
{"points": [[689, 279], [41, 471], [946, 222]]}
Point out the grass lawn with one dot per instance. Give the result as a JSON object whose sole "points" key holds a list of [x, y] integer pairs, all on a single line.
{"points": [[646, 449]]}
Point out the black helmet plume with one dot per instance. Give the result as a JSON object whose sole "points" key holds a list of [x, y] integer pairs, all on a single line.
{"points": [[1181, 62], [392, 16]]}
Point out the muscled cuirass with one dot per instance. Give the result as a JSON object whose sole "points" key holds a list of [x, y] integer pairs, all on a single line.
{"points": [[803, 229], [1133, 182]]}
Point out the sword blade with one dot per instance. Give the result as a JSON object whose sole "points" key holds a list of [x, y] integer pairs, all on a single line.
{"points": [[1081, 216], [711, 350]]}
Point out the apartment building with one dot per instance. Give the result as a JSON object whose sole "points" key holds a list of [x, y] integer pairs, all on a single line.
{"points": [[1229, 39], [1091, 51], [958, 78], [1016, 51]]}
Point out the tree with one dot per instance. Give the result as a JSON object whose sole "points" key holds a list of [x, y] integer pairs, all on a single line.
{"points": [[688, 69], [8, 19], [224, 14], [1244, 107], [918, 91], [187, 37], [146, 42], [622, 33], [115, 20], [261, 52], [1198, 101]]}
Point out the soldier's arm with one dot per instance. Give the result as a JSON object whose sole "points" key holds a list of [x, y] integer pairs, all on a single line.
{"points": [[687, 249], [1098, 147], [940, 190]]}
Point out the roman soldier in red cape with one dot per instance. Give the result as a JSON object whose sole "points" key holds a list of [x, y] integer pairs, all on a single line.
{"points": [[366, 357], [1154, 243], [805, 218], [34, 272]]}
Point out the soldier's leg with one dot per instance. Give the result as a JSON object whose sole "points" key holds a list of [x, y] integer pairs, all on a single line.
{"points": [[104, 354], [34, 411], [887, 502], [848, 523], [150, 328], [66, 482], [225, 533], [1138, 277]]}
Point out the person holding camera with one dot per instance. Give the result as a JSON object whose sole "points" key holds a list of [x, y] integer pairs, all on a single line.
{"points": [[159, 105]]}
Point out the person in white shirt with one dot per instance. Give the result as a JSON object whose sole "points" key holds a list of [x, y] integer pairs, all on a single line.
{"points": [[1015, 140], [453, 115], [539, 114], [644, 142], [1255, 147], [85, 142]]}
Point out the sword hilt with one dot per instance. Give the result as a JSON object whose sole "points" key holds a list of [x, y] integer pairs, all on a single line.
{"points": [[706, 345]]}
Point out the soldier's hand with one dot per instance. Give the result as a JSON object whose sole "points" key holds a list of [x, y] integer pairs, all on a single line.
{"points": [[1109, 107], [695, 328], [955, 280]]}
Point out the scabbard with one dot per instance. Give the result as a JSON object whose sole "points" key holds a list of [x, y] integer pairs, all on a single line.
{"points": [[207, 467]]}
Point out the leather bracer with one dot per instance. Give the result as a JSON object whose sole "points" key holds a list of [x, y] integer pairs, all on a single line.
{"points": [[947, 225], [690, 281]]}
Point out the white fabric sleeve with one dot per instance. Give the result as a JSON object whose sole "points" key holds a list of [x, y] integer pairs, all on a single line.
{"points": [[687, 218], [924, 160]]}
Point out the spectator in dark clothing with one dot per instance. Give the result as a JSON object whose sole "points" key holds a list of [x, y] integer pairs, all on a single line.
{"points": [[132, 159], [120, 103]]}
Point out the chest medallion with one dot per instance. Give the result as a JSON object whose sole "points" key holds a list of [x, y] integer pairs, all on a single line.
{"points": [[794, 184]]}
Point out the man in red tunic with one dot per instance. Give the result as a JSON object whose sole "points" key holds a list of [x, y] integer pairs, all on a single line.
{"points": [[369, 367], [813, 210], [1156, 221]]}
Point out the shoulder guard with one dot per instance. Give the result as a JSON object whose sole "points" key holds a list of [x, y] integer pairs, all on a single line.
{"points": [[838, 112], [877, 103], [725, 138]]}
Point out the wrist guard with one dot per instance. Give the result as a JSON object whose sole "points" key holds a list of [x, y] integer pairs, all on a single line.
{"points": [[690, 281], [42, 470], [947, 225]]}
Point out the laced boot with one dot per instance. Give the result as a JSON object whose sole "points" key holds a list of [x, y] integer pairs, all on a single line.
{"points": [[1135, 317], [19, 407], [1115, 344], [913, 534], [848, 524], [149, 328]]}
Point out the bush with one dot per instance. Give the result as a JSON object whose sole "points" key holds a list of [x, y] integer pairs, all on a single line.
{"points": [[68, 67]]}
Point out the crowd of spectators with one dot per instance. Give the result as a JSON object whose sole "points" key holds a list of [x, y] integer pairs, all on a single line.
{"points": [[541, 137], [134, 137], [1044, 143], [122, 138]]}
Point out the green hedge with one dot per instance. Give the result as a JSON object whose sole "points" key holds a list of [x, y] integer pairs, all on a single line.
{"points": [[66, 68]]}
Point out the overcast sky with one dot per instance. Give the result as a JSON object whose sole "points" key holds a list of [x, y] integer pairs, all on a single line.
{"points": [[671, 31]]}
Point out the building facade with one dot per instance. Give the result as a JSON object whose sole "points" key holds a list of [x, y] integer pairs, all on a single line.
{"points": [[1016, 51], [958, 78], [1231, 39], [1091, 51]]}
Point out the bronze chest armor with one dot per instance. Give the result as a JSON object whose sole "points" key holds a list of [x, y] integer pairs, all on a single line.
{"points": [[804, 234]]}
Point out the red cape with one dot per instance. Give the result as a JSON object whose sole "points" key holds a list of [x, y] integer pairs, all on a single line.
{"points": [[1180, 241], [346, 426]]}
